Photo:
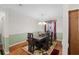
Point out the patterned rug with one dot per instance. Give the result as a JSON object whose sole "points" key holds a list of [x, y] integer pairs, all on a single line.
{"points": [[41, 52]]}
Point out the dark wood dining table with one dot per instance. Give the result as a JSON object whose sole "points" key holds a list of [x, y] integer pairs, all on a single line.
{"points": [[38, 40], [39, 37]]}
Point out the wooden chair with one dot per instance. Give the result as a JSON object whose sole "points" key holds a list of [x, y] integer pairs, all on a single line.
{"points": [[30, 42]]}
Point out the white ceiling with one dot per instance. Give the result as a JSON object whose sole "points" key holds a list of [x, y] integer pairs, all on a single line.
{"points": [[38, 11]]}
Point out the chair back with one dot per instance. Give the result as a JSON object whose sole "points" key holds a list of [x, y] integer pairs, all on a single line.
{"points": [[30, 35]]}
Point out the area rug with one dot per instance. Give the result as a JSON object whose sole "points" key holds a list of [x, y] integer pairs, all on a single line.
{"points": [[55, 52], [38, 52]]}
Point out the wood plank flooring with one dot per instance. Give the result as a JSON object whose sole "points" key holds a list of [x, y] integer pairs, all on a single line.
{"points": [[18, 46], [17, 50]]}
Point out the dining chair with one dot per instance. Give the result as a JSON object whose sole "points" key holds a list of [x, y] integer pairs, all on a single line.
{"points": [[30, 42]]}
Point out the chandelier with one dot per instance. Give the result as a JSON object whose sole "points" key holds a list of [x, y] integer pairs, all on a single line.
{"points": [[42, 22]]}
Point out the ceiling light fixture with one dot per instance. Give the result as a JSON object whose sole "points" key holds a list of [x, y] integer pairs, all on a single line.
{"points": [[42, 18]]}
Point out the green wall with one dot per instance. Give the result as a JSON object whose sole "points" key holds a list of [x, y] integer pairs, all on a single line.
{"points": [[12, 39], [60, 36], [17, 38], [20, 37]]}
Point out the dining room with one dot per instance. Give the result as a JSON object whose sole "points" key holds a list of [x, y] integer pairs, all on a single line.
{"points": [[33, 29]]}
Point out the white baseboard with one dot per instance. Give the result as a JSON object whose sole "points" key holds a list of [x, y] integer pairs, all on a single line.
{"points": [[59, 39], [17, 43]]}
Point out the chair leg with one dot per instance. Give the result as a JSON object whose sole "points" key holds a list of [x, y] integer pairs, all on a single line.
{"points": [[2, 52], [33, 49]]}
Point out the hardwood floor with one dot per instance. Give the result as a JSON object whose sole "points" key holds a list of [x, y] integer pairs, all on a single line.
{"points": [[59, 47], [18, 46], [17, 50]]}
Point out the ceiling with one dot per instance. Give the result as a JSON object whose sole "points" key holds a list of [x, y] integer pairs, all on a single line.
{"points": [[38, 11]]}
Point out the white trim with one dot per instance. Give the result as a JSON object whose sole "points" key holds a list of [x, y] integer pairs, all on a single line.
{"points": [[59, 39], [17, 43]]}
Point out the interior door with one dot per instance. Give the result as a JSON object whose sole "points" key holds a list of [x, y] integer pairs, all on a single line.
{"points": [[73, 33]]}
